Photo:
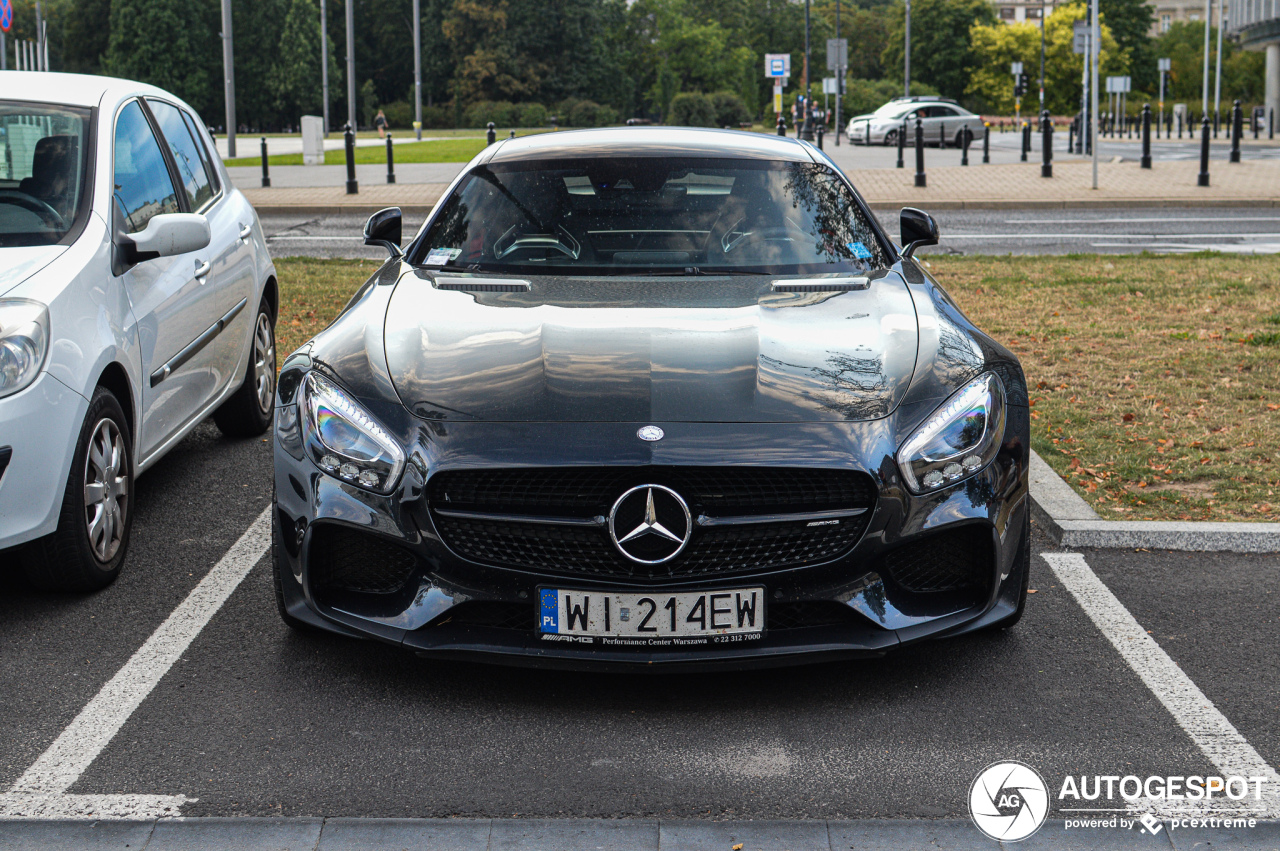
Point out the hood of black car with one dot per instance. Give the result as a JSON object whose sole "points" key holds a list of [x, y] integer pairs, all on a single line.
{"points": [[663, 349]]}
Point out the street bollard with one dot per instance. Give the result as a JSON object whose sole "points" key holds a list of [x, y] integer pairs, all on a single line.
{"points": [[391, 162], [1046, 145], [1026, 140], [1216, 118], [942, 137], [920, 178], [1256, 124], [1179, 126], [1146, 136], [491, 136], [1271, 123], [986, 142], [1071, 137], [349, 146], [782, 126], [964, 145], [819, 132], [1236, 119], [511, 135], [902, 141], [1203, 179], [866, 136], [266, 179]]}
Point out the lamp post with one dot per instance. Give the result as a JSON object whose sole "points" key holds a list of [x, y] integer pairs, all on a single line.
{"points": [[1042, 55], [906, 56], [417, 69], [324, 63], [351, 65], [229, 78], [806, 130], [1204, 87], [1217, 74], [1094, 42]]}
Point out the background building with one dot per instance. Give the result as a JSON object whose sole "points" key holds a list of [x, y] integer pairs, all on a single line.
{"points": [[1257, 24]]}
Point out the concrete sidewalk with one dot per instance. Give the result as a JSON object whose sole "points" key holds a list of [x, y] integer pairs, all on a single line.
{"points": [[1006, 186]]}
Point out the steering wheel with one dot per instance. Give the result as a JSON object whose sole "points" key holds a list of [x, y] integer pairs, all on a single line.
{"points": [[780, 234], [21, 199]]}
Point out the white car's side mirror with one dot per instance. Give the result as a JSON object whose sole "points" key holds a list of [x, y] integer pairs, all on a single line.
{"points": [[170, 233]]}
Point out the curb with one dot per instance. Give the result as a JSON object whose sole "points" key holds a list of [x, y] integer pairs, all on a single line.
{"points": [[371, 834], [1071, 522]]}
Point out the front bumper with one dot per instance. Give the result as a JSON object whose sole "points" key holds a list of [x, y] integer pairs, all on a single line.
{"points": [[40, 426], [881, 617]]}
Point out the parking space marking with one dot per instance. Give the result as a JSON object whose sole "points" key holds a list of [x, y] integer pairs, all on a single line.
{"points": [[1216, 736], [59, 767]]}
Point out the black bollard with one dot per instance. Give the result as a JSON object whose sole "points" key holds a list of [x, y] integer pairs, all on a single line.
{"points": [[782, 126], [819, 131], [511, 135], [1179, 125], [1256, 124], [1071, 137], [902, 141], [1216, 118], [266, 179], [920, 178], [391, 162], [491, 136], [1146, 136], [942, 137], [986, 142], [1026, 140], [1237, 118], [1271, 123], [349, 146], [1203, 180], [1046, 145]]}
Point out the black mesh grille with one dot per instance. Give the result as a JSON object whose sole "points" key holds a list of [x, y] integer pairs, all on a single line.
{"points": [[810, 613], [589, 492], [950, 561], [344, 559], [492, 613]]}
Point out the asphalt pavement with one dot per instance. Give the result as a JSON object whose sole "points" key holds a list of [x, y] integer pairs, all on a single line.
{"points": [[254, 720], [1155, 229]]}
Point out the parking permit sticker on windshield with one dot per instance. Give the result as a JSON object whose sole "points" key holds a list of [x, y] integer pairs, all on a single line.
{"points": [[859, 250], [441, 256]]}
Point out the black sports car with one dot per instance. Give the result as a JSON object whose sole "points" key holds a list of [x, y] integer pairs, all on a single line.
{"points": [[656, 397]]}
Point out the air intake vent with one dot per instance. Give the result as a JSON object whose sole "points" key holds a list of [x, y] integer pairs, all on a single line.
{"points": [[346, 559], [947, 561], [821, 285], [482, 285]]}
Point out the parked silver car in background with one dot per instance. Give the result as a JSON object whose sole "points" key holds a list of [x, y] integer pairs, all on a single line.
{"points": [[941, 120], [136, 298]]}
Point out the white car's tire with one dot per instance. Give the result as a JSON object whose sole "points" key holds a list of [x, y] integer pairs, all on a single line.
{"points": [[248, 411]]}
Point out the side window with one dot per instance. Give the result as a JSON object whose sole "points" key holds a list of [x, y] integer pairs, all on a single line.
{"points": [[143, 187], [204, 152], [186, 153]]}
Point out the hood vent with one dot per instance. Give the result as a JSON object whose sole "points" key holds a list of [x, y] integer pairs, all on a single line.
{"points": [[821, 285], [482, 285]]}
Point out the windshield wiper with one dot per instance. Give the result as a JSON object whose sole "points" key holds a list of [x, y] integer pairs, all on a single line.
{"points": [[697, 271]]}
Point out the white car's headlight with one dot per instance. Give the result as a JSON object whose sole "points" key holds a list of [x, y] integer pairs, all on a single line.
{"points": [[344, 440], [24, 342], [959, 438]]}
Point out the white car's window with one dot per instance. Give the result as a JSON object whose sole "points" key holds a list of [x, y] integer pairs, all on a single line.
{"points": [[143, 187], [186, 153], [204, 152], [43, 163]]}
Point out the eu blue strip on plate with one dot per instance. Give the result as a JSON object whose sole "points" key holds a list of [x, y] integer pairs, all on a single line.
{"points": [[550, 611]]}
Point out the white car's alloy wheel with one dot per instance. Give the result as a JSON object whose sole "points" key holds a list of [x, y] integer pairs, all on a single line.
{"points": [[106, 489], [264, 361]]}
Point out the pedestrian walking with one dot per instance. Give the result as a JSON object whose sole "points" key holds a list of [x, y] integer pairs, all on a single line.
{"points": [[380, 124]]}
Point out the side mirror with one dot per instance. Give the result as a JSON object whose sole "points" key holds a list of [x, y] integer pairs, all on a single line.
{"points": [[166, 235], [383, 228], [918, 228]]}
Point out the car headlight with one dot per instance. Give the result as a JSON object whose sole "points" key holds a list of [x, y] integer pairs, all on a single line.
{"points": [[24, 342], [344, 440], [959, 438]]}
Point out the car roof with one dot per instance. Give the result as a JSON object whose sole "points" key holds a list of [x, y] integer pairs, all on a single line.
{"points": [[651, 142], [70, 89]]}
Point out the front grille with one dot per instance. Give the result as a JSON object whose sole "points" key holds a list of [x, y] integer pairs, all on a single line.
{"points": [[585, 492], [950, 561], [345, 559], [810, 613]]}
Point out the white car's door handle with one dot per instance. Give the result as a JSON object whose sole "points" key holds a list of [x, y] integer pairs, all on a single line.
{"points": [[245, 231], [202, 269]]}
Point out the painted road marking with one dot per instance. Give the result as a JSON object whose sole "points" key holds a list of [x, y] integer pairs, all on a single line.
{"points": [[1197, 219], [1149, 236], [75, 749], [1216, 737]]}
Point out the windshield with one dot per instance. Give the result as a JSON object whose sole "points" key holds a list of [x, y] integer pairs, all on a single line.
{"points": [[894, 110], [646, 215], [43, 162]]}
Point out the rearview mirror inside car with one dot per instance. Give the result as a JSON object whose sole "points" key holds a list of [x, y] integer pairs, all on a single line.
{"points": [[918, 228], [383, 228]]}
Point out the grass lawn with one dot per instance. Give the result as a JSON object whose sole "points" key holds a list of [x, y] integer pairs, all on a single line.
{"points": [[1155, 380], [441, 151]]}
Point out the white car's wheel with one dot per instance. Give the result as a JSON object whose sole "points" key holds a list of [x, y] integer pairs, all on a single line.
{"points": [[248, 411]]}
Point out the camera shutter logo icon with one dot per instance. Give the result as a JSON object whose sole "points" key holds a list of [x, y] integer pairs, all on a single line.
{"points": [[1008, 801]]}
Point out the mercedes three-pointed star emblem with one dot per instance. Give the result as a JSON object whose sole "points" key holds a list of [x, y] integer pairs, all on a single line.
{"points": [[650, 524]]}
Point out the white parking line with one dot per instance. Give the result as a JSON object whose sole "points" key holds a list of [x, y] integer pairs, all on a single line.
{"points": [[1197, 219], [1216, 737], [58, 768], [1147, 236]]}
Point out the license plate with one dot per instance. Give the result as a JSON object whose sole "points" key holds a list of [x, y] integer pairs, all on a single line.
{"points": [[651, 619]]}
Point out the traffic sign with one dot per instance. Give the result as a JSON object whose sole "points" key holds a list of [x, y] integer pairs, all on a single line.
{"points": [[829, 86], [1161, 64], [6, 15], [1118, 85], [1081, 40], [777, 64], [837, 53], [1015, 68]]}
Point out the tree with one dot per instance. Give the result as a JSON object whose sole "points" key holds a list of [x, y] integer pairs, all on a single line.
{"points": [[295, 80], [1183, 44], [996, 46], [941, 50], [691, 109], [166, 43], [1131, 22], [85, 30]]}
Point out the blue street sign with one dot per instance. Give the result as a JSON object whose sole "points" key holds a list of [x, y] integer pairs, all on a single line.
{"points": [[6, 15]]}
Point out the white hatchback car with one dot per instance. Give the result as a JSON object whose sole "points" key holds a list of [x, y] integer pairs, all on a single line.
{"points": [[136, 298]]}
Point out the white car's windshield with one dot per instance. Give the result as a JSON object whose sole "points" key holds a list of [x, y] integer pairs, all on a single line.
{"points": [[894, 110], [650, 214], [43, 160]]}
